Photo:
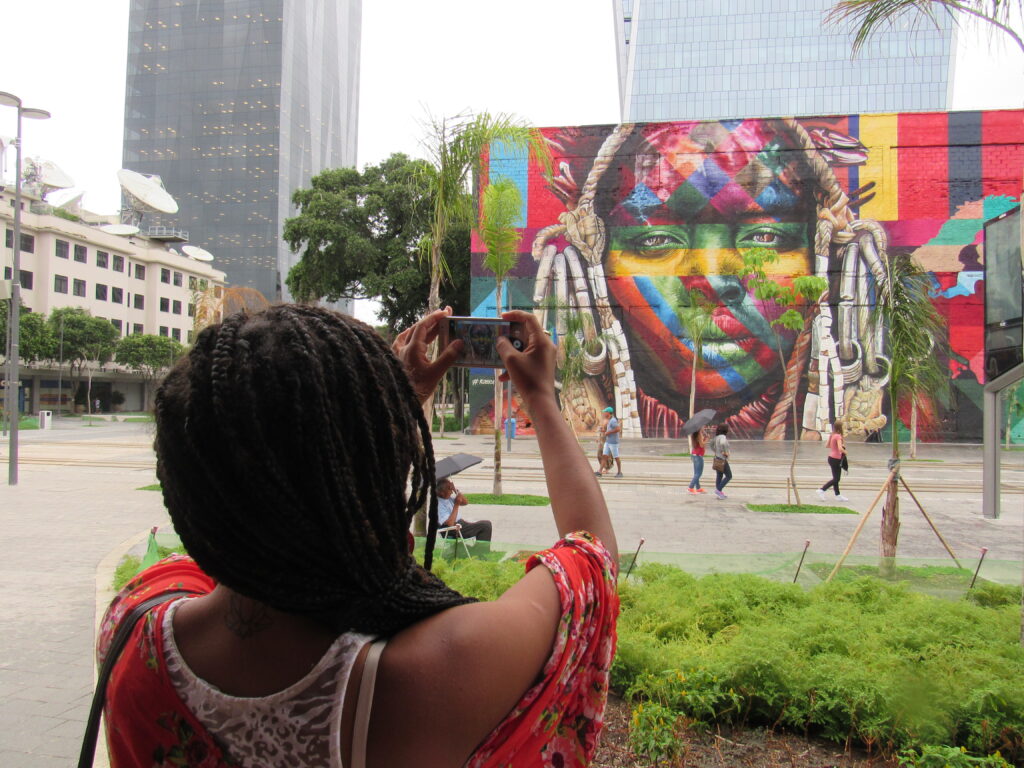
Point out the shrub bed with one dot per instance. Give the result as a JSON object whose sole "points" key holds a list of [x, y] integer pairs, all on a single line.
{"points": [[861, 660]]}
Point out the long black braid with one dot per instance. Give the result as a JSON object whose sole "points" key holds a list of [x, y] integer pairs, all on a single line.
{"points": [[286, 442]]}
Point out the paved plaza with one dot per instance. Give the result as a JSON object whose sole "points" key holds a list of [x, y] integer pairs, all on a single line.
{"points": [[76, 510]]}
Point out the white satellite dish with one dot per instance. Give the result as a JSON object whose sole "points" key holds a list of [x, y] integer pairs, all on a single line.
{"points": [[173, 252], [197, 253], [144, 194], [120, 229], [52, 176], [68, 199]]}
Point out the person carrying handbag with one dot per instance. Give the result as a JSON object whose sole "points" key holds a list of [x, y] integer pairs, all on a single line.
{"points": [[723, 472], [836, 460]]}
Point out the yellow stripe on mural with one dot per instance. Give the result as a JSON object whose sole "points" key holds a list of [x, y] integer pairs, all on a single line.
{"points": [[878, 134]]}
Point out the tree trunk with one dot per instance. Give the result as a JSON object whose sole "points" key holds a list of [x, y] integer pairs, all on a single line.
{"points": [[496, 490], [913, 427], [891, 509], [796, 426], [693, 384], [444, 397]]}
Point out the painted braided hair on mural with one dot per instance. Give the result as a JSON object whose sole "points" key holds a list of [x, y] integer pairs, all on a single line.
{"points": [[668, 208]]}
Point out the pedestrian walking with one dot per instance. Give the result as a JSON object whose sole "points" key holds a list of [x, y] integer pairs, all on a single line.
{"points": [[612, 431], [697, 457], [723, 472], [836, 458]]}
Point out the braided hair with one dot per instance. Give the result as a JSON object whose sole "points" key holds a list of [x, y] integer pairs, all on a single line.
{"points": [[286, 441]]}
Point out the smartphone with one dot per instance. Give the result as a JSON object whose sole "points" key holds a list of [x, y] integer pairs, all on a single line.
{"points": [[479, 336]]}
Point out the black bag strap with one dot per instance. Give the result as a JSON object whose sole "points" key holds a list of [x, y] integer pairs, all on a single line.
{"points": [[99, 698]]}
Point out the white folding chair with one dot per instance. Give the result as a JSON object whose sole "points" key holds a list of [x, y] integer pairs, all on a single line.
{"points": [[458, 534]]}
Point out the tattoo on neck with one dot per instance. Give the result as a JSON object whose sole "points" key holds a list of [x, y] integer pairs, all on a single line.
{"points": [[246, 617]]}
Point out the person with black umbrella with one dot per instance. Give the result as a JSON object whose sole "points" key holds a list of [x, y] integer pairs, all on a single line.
{"points": [[693, 428]]}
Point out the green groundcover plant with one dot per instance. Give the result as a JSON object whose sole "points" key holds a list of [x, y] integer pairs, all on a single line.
{"points": [[861, 660]]}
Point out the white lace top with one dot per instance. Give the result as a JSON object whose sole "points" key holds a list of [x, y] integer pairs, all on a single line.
{"points": [[294, 728]]}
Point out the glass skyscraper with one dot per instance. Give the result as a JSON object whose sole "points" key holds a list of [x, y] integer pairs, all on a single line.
{"points": [[704, 59], [234, 104]]}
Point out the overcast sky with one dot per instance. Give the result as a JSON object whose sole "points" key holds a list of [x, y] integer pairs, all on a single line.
{"points": [[551, 62]]}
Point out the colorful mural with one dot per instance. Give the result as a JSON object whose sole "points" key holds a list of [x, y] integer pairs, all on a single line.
{"points": [[638, 217]]}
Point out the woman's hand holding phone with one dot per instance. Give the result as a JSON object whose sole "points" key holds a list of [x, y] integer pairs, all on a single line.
{"points": [[532, 369], [410, 347]]}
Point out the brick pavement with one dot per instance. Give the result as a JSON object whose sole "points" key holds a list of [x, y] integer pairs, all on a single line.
{"points": [[76, 510]]}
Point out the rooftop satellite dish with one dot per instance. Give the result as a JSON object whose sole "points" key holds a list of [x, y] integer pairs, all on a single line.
{"points": [[197, 253], [173, 251], [143, 194], [68, 199], [120, 229], [52, 176]]}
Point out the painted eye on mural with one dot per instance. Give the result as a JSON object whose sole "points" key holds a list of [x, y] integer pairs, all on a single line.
{"points": [[659, 240], [780, 237]]}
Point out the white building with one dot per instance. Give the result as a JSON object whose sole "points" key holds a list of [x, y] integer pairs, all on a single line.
{"points": [[137, 283]]}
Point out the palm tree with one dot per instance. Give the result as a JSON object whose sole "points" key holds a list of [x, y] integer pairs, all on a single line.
{"points": [[696, 316], [502, 208], [455, 146], [913, 328], [870, 16], [797, 299]]}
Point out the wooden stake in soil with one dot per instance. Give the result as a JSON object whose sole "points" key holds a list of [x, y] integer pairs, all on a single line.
{"points": [[860, 525]]}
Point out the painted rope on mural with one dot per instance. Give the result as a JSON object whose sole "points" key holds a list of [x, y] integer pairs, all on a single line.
{"points": [[640, 220]]}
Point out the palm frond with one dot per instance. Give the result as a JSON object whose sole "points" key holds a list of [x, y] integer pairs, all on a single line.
{"points": [[502, 208], [870, 17]]}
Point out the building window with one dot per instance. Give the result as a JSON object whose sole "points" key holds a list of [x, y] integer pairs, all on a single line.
{"points": [[136, 328], [191, 335], [192, 283], [117, 324], [165, 305], [140, 272], [202, 284], [176, 334], [118, 265], [163, 330], [217, 292], [176, 307], [60, 284], [101, 259], [101, 292], [78, 288], [28, 242], [165, 275], [140, 301], [117, 295], [80, 253], [177, 279], [63, 249], [191, 309], [24, 277]]}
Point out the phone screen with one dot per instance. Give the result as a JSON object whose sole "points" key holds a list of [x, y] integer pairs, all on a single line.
{"points": [[479, 336]]}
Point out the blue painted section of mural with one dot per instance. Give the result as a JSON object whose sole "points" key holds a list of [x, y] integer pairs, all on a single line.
{"points": [[511, 163]]}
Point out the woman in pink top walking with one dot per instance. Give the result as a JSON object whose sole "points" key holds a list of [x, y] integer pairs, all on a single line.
{"points": [[836, 452]]}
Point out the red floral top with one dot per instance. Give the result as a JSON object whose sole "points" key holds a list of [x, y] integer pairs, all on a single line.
{"points": [[556, 723]]}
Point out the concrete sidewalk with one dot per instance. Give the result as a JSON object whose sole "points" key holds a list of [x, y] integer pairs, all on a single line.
{"points": [[77, 505]]}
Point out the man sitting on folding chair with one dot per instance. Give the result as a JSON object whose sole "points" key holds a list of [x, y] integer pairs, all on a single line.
{"points": [[450, 524]]}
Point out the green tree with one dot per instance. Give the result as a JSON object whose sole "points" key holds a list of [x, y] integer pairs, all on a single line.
{"points": [[796, 298], [87, 340], [149, 356], [359, 236], [35, 341], [871, 16], [455, 146], [696, 315], [500, 214], [913, 328]]}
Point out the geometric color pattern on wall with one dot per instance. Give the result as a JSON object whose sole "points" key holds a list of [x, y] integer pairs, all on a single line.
{"points": [[644, 226]]}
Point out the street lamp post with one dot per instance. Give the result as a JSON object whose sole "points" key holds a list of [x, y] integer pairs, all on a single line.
{"points": [[14, 319]]}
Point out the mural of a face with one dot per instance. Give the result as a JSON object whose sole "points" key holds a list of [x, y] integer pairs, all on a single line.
{"points": [[698, 196]]}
